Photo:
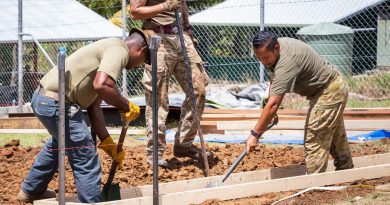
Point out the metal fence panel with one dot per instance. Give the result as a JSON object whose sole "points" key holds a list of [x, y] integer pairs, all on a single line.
{"points": [[225, 45]]}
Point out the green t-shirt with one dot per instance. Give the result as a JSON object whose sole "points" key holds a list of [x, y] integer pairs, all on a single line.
{"points": [[107, 55], [162, 19], [300, 69]]}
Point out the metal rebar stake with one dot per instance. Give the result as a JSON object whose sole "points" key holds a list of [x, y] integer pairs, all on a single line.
{"points": [[153, 48], [190, 85], [61, 125]]}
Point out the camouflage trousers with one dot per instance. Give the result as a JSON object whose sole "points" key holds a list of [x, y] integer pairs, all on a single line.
{"points": [[170, 63], [325, 131]]}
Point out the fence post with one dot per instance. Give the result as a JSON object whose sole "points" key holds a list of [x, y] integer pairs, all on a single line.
{"points": [[124, 71], [20, 55], [61, 125], [262, 26]]}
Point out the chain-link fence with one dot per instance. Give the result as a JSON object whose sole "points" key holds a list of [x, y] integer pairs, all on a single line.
{"points": [[353, 34]]}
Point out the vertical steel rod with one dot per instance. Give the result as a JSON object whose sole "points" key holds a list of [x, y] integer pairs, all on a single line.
{"points": [[124, 72], [20, 54], [61, 125], [153, 48]]}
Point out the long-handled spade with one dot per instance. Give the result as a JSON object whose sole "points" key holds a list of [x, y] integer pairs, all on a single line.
{"points": [[236, 163], [111, 191]]}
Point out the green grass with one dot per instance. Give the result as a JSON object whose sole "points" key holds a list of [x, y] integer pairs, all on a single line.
{"points": [[375, 86], [38, 140], [353, 103], [26, 140]]}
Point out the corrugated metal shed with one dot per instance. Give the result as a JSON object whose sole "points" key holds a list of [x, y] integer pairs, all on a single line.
{"points": [[54, 20], [281, 13]]}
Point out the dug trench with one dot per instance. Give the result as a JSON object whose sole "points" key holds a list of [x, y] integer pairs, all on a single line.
{"points": [[15, 162]]}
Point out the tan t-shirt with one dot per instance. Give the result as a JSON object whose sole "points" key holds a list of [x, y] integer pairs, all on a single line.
{"points": [[300, 69], [162, 19], [107, 55]]}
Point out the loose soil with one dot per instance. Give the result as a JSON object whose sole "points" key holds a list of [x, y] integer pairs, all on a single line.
{"points": [[15, 162]]}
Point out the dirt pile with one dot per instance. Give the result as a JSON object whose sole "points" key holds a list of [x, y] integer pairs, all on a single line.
{"points": [[15, 162]]}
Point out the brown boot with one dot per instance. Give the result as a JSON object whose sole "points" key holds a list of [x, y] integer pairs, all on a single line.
{"points": [[161, 162], [191, 152], [27, 198]]}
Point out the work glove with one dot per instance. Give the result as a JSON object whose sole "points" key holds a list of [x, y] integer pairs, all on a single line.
{"points": [[171, 5], [110, 147], [133, 113]]}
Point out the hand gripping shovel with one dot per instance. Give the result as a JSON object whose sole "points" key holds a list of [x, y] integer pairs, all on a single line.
{"points": [[111, 191], [238, 160]]}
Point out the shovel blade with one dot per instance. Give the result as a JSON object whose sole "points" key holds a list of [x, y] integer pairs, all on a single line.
{"points": [[214, 184], [111, 192]]}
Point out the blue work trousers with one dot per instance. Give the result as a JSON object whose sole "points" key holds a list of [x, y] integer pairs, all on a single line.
{"points": [[80, 151]]}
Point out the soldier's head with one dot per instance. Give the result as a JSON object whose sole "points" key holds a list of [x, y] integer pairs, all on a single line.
{"points": [[137, 42], [266, 48]]}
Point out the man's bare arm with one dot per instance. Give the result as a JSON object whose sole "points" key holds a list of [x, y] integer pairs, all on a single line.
{"points": [[106, 88], [96, 117], [268, 113], [139, 10]]}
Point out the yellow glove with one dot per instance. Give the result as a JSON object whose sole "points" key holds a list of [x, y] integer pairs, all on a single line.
{"points": [[110, 147], [171, 5], [134, 112]]}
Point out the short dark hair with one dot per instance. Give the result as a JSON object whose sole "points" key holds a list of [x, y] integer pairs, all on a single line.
{"points": [[137, 39], [265, 38]]}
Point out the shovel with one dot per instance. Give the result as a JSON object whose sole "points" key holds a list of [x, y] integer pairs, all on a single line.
{"points": [[111, 191], [238, 160]]}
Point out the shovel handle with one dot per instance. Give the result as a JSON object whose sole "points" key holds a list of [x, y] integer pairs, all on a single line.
{"points": [[243, 154], [234, 165], [114, 165]]}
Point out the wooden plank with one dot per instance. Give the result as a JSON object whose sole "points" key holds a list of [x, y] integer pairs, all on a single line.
{"points": [[355, 113], [20, 123], [236, 117], [256, 188], [275, 185], [244, 177], [299, 124]]}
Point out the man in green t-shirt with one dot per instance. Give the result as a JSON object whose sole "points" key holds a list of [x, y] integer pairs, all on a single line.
{"points": [[296, 67], [90, 75]]}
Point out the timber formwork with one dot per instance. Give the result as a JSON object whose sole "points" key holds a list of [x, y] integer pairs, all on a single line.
{"points": [[248, 184]]}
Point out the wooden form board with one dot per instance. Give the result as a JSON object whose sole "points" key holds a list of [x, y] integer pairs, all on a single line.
{"points": [[253, 188], [20, 123], [253, 116], [244, 177], [299, 125], [371, 113]]}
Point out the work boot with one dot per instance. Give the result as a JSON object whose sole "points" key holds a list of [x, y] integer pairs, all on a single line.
{"points": [[383, 188], [161, 162], [191, 152], [27, 198]]}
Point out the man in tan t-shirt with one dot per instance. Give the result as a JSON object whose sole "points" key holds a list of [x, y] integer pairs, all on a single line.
{"points": [[158, 16], [296, 67], [90, 73]]}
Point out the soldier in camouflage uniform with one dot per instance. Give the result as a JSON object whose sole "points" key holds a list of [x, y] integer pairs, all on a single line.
{"points": [[159, 18], [296, 67]]}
